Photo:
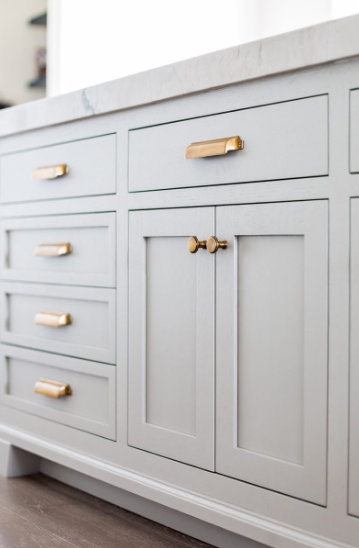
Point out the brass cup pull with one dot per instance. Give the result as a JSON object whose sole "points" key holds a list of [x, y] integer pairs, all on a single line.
{"points": [[216, 147], [53, 250], [194, 244], [52, 319], [50, 172], [53, 389], [213, 244]]}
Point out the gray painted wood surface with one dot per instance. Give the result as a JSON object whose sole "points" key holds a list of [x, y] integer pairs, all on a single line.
{"points": [[354, 362], [91, 334], [281, 141], [262, 514], [90, 407], [272, 337], [354, 131], [91, 262], [91, 163], [171, 320]]}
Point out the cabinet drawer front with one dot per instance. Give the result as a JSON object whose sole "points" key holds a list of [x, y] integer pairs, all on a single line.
{"points": [[91, 260], [281, 141], [354, 131], [91, 405], [91, 170], [91, 334], [272, 337]]}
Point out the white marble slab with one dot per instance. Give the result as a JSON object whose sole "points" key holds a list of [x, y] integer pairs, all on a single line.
{"points": [[316, 45]]}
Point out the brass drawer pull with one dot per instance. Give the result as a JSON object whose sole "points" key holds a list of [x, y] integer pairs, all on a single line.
{"points": [[53, 250], [194, 244], [50, 172], [52, 319], [216, 147], [53, 389], [213, 244]]}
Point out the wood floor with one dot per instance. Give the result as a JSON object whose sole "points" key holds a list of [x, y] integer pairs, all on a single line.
{"points": [[38, 512]]}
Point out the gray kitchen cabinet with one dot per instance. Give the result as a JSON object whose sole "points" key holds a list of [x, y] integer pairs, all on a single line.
{"points": [[223, 386], [64, 249], [90, 333], [272, 337], [171, 327], [90, 169], [270, 333], [277, 138], [90, 405]]}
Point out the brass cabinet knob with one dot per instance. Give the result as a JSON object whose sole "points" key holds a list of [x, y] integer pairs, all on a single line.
{"points": [[213, 244], [194, 244]]}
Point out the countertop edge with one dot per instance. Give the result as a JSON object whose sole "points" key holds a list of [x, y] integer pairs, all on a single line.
{"points": [[304, 48]]}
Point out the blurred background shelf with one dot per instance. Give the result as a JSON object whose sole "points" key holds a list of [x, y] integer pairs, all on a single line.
{"points": [[39, 82], [39, 20]]}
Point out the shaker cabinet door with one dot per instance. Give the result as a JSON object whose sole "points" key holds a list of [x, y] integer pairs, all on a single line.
{"points": [[271, 351], [171, 335], [354, 362]]}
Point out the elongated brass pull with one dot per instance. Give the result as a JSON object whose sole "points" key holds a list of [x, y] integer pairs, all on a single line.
{"points": [[194, 244], [52, 319], [53, 389], [213, 244], [216, 147], [50, 172], [53, 250]]}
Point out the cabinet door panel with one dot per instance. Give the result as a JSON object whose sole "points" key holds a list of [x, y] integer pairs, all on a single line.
{"points": [[272, 346], [171, 329], [354, 362]]}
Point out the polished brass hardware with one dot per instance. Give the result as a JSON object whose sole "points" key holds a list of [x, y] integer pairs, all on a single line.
{"points": [[213, 244], [53, 389], [216, 147], [50, 172], [52, 319], [53, 250], [194, 244]]}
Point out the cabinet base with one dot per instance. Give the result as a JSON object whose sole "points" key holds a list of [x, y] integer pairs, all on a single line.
{"points": [[245, 525], [17, 462]]}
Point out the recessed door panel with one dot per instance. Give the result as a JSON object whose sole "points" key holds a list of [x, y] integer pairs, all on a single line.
{"points": [[171, 335], [171, 330], [271, 365], [354, 362], [270, 374]]}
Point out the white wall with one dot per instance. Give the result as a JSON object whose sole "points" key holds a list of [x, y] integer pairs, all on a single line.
{"points": [[92, 41], [18, 44]]}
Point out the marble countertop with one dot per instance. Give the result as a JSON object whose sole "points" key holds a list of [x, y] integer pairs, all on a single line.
{"points": [[317, 45]]}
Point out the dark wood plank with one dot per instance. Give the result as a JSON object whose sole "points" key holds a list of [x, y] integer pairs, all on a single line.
{"points": [[16, 532], [82, 520], [136, 520]]}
